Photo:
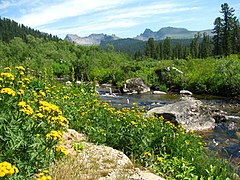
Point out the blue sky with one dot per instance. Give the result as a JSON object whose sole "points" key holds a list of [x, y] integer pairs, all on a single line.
{"points": [[124, 18]]}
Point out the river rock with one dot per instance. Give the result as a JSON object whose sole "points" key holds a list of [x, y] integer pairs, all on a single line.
{"points": [[185, 92], [159, 92], [191, 113], [135, 85]]}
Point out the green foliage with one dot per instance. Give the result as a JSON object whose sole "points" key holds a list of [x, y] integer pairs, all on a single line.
{"points": [[11, 29], [77, 146], [31, 127], [227, 37]]}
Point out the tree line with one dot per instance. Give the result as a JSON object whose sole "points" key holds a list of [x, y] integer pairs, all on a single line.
{"points": [[10, 29], [225, 41]]}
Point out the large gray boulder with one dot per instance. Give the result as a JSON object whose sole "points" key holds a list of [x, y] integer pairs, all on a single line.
{"points": [[135, 85], [192, 114]]}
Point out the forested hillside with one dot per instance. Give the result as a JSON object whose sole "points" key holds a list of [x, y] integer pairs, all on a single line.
{"points": [[10, 29]]}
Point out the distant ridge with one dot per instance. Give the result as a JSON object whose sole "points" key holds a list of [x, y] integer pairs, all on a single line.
{"points": [[172, 32], [93, 39]]}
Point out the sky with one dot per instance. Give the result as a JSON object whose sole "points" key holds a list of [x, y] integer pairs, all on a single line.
{"points": [[124, 18]]}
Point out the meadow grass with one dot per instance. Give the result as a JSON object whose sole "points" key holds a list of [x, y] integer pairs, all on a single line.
{"points": [[34, 113]]}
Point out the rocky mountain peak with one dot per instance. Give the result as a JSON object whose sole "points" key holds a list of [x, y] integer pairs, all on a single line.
{"points": [[93, 39]]}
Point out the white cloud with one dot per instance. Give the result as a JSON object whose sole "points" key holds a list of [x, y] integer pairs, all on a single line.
{"points": [[94, 15], [147, 11], [95, 27], [4, 4], [65, 9]]}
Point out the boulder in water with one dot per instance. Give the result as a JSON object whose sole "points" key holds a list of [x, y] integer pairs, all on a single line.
{"points": [[192, 114], [135, 85]]}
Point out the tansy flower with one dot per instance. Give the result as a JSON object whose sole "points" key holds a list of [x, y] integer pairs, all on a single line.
{"points": [[7, 68], [8, 76], [21, 73], [62, 150], [7, 91], [55, 135], [27, 80], [25, 108], [20, 68], [187, 142], [7, 169], [159, 159], [20, 92], [133, 123], [148, 153]]}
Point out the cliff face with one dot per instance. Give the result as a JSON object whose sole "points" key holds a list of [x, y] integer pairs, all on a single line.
{"points": [[93, 39]]}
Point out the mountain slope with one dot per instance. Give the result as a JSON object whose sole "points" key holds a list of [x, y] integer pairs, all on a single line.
{"points": [[9, 29], [173, 33], [93, 39]]}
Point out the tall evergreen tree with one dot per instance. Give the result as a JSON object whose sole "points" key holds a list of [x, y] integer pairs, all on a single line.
{"points": [[236, 36], [194, 46], [150, 49], [228, 26], [167, 49], [217, 38], [205, 47]]}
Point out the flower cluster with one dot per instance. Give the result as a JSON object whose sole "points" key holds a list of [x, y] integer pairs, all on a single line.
{"points": [[7, 169], [44, 175], [49, 108], [20, 69], [25, 108], [7, 76], [8, 91], [55, 135], [62, 149], [20, 92], [60, 119]]}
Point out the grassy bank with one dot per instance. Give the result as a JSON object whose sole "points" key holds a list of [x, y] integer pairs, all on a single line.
{"points": [[34, 113]]}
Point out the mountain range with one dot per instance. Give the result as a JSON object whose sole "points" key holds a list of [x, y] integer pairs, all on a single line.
{"points": [[172, 32]]}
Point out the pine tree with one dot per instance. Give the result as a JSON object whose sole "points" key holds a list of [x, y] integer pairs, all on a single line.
{"points": [[150, 49], [206, 48], [194, 46], [228, 26], [167, 49], [217, 38]]}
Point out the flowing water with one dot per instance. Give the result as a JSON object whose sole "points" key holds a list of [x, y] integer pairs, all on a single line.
{"points": [[225, 137]]}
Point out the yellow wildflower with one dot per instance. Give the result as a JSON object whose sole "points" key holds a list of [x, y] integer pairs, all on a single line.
{"points": [[42, 93], [148, 154], [160, 159], [25, 108], [133, 123], [20, 68], [62, 150], [55, 135], [7, 91], [8, 76], [20, 83], [8, 169], [187, 142], [27, 80], [7, 68], [20, 92]]}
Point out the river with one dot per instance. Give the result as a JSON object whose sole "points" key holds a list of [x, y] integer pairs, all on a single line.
{"points": [[225, 137]]}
